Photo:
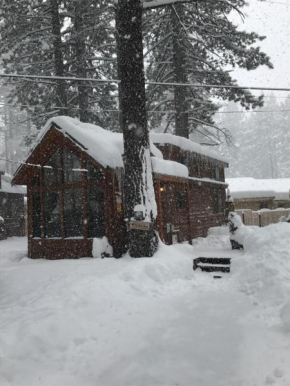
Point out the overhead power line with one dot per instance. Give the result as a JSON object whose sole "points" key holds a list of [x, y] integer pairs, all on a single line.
{"points": [[153, 111], [149, 111], [168, 84], [273, 2]]}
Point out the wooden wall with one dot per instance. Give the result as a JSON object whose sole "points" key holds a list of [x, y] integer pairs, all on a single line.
{"points": [[201, 210], [254, 203], [202, 204]]}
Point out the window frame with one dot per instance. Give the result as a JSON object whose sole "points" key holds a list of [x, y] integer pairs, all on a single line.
{"points": [[84, 184], [180, 200], [218, 202]]}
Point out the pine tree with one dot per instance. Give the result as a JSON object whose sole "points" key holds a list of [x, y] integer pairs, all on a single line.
{"points": [[57, 37], [261, 140], [138, 184], [195, 42]]}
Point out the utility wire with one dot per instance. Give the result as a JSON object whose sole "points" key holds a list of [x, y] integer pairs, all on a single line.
{"points": [[154, 111], [273, 2], [170, 84]]}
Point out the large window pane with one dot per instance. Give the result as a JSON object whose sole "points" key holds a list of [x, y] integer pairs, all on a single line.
{"points": [[73, 212], [36, 215], [51, 171], [95, 211], [52, 225], [72, 166], [94, 173]]}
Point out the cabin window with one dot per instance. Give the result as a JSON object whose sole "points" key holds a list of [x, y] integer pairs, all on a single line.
{"points": [[36, 181], [95, 211], [182, 158], [36, 215], [218, 203], [51, 212], [73, 212], [51, 171], [93, 173], [72, 166], [180, 200], [198, 170], [63, 198], [217, 173]]}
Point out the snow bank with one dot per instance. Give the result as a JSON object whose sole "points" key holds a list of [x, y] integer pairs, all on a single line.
{"points": [[264, 271], [170, 168], [218, 231], [102, 248], [68, 321]]}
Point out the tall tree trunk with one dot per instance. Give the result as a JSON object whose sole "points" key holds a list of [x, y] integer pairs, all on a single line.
{"points": [[179, 67], [80, 47], [138, 183], [58, 57]]}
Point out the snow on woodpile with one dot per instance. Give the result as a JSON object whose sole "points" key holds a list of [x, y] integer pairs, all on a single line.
{"points": [[171, 168], [8, 188], [185, 144], [247, 187]]}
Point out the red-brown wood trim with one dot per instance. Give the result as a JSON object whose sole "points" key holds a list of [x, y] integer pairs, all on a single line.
{"points": [[29, 220], [163, 177], [188, 213], [41, 206], [84, 192], [106, 202], [61, 195], [160, 211]]}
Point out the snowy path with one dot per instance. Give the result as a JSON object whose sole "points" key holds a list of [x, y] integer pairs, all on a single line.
{"points": [[143, 322]]}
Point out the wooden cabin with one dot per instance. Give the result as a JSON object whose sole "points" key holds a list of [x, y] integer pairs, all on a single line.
{"points": [[257, 194], [11, 207], [74, 179]]}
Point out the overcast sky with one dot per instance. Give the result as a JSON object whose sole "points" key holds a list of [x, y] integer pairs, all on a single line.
{"points": [[271, 19]]}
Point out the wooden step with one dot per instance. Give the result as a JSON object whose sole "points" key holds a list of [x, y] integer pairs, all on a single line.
{"points": [[212, 264]]}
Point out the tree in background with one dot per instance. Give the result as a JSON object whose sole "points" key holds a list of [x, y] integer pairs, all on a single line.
{"points": [[195, 42], [60, 38], [261, 140]]}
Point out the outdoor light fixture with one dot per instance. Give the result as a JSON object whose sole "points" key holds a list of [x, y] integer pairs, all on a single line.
{"points": [[138, 215], [162, 189]]}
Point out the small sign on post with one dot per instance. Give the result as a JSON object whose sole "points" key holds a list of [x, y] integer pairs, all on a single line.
{"points": [[140, 225]]}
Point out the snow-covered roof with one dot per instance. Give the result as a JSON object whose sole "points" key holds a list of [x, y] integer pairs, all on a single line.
{"points": [[8, 188], [105, 146], [185, 144], [170, 168], [247, 187]]}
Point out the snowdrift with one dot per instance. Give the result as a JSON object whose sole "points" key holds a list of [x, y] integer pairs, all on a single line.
{"points": [[264, 271]]}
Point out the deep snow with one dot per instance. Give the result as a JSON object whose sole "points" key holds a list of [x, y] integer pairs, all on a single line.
{"points": [[148, 321]]}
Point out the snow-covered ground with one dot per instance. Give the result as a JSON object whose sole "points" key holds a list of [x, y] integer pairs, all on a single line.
{"points": [[149, 322]]}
